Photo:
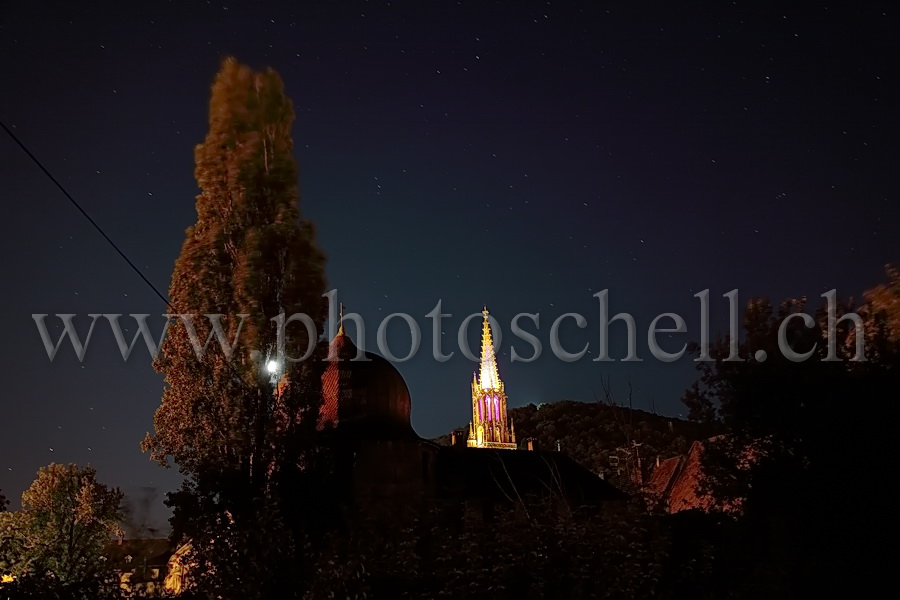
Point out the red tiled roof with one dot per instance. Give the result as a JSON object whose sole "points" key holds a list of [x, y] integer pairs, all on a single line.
{"points": [[328, 412], [684, 493], [663, 476], [335, 379], [675, 483]]}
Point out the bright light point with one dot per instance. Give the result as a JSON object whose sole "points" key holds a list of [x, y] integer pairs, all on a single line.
{"points": [[271, 366]]}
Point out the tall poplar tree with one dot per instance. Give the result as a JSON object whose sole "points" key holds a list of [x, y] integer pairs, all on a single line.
{"points": [[249, 257], [249, 253]]}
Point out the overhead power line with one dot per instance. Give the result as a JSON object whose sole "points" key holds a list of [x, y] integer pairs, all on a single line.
{"points": [[84, 212]]}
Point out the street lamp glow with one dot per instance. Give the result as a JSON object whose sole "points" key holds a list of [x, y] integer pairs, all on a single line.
{"points": [[271, 366]]}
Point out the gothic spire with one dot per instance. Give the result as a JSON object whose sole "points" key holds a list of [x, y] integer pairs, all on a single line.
{"points": [[490, 378], [490, 426]]}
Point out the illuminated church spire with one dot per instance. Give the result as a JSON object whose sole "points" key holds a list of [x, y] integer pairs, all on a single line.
{"points": [[490, 379], [490, 427]]}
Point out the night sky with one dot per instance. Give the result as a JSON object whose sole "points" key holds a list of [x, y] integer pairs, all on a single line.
{"points": [[522, 155]]}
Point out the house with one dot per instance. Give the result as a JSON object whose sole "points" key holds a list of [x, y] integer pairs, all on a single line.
{"points": [[674, 485], [140, 565]]}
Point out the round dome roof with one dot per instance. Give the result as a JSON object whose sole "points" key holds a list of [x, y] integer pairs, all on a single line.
{"points": [[364, 394]]}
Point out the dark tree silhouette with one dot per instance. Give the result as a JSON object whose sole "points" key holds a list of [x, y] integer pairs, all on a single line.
{"points": [[802, 449], [237, 432]]}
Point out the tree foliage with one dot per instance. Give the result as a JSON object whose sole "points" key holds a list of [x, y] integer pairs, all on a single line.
{"points": [[885, 299], [242, 440], [248, 253], [67, 518], [537, 553], [802, 445]]}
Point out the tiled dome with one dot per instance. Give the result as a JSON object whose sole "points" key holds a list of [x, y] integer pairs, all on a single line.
{"points": [[366, 397]]}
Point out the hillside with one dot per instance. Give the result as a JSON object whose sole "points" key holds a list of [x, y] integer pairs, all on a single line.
{"points": [[592, 433]]}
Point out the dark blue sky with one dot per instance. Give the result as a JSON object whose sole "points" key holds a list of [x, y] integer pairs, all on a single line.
{"points": [[523, 155]]}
